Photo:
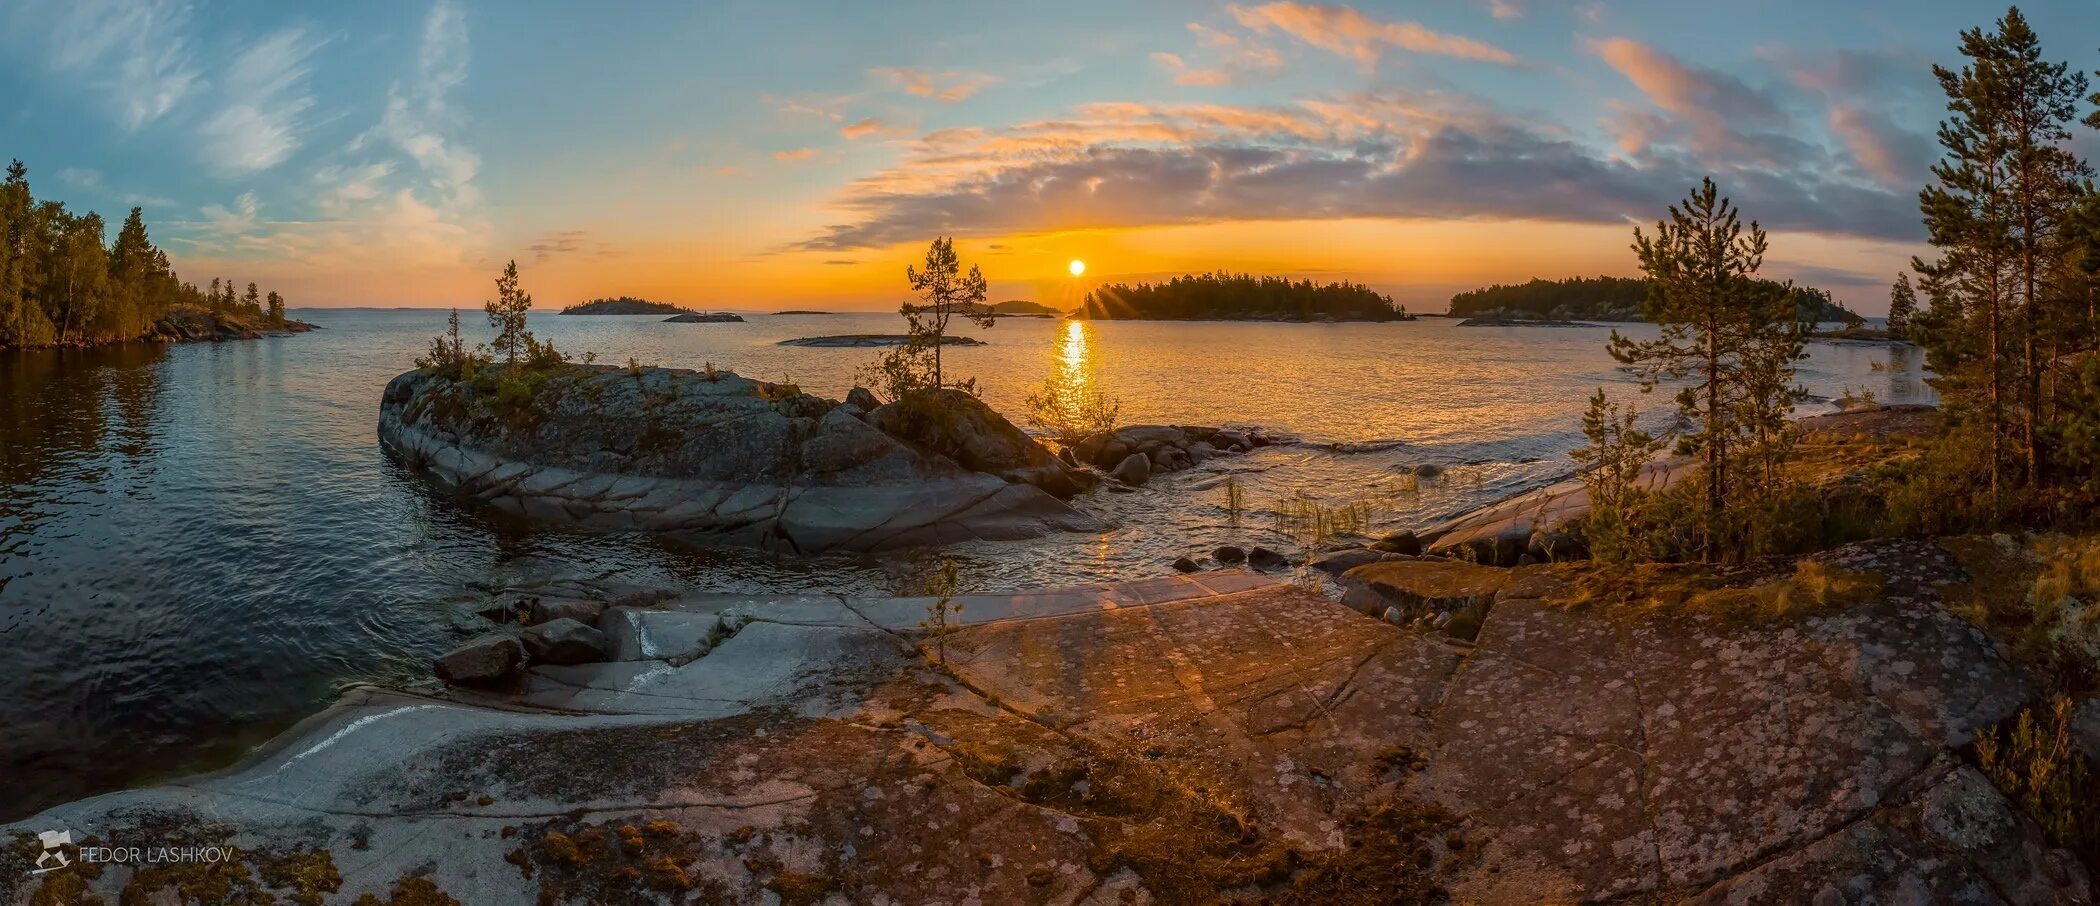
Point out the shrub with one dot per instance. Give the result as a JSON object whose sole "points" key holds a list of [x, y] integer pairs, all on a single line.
{"points": [[1071, 414]]}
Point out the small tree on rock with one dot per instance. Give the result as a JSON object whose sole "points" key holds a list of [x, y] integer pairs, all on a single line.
{"points": [[507, 314]]}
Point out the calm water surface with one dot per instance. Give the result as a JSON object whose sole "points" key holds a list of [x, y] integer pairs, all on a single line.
{"points": [[202, 543]]}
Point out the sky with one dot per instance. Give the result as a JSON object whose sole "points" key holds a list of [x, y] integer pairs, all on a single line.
{"points": [[782, 154]]}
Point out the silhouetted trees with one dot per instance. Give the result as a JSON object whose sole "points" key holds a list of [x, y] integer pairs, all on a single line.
{"points": [[1238, 296], [1610, 299], [59, 284]]}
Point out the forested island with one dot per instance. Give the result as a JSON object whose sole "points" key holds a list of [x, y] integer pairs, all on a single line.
{"points": [[1239, 297], [1024, 308], [60, 285], [1609, 299], [624, 305]]}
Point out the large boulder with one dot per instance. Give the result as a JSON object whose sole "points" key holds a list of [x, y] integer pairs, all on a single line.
{"points": [[961, 427], [565, 641], [492, 660], [718, 456], [1135, 469]]}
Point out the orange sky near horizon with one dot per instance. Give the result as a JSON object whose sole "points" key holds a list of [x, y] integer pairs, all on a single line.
{"points": [[1421, 263]]}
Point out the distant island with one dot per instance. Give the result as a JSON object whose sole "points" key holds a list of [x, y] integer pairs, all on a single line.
{"points": [[1025, 309], [868, 340], [1238, 297], [800, 311], [1603, 299], [624, 305], [64, 283], [705, 317]]}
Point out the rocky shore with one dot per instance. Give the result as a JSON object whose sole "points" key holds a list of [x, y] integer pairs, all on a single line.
{"points": [[186, 324], [714, 455], [1202, 739]]}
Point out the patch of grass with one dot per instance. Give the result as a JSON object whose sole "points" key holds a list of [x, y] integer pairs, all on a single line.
{"points": [[1312, 521], [2034, 761], [2041, 596]]}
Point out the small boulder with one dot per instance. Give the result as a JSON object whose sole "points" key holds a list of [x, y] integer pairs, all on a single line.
{"points": [[862, 397], [564, 641], [1266, 560], [1186, 565], [1428, 470], [1230, 554], [491, 660], [1135, 469], [1399, 543], [1202, 451], [1169, 459]]}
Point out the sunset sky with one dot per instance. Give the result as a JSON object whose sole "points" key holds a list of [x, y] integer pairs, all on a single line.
{"points": [[793, 154]]}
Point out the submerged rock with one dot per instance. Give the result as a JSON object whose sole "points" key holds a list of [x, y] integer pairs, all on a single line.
{"points": [[714, 455], [1266, 560]]}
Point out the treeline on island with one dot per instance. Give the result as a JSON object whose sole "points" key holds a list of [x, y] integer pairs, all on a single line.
{"points": [[1224, 296], [623, 305], [60, 284], [1613, 299]]}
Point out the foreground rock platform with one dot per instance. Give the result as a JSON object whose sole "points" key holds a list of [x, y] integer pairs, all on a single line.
{"points": [[1187, 739]]}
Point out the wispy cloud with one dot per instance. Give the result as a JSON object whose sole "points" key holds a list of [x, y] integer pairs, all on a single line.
{"points": [[795, 154], [947, 86], [137, 51], [1345, 31], [266, 97], [862, 128]]}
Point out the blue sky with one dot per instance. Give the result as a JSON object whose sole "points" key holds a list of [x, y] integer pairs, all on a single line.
{"points": [[765, 154]]}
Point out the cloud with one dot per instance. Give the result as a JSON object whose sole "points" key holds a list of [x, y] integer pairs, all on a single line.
{"points": [[1505, 9], [80, 177], [1235, 59], [397, 203], [1716, 115], [795, 154], [1380, 154], [947, 87], [1343, 30], [265, 97], [137, 52], [1895, 156], [418, 114], [862, 128]]}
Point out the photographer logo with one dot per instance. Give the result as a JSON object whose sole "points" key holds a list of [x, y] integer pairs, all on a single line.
{"points": [[52, 858]]}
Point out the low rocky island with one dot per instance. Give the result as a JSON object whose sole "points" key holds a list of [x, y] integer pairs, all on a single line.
{"points": [[705, 317], [801, 311], [1504, 321], [714, 455], [623, 305], [871, 340]]}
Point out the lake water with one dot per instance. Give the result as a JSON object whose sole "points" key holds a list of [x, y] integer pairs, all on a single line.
{"points": [[200, 544]]}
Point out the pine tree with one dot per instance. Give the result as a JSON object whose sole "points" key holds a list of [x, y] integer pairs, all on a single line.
{"points": [[944, 291], [253, 300], [1903, 305], [1733, 338], [507, 314], [2007, 187], [276, 309]]}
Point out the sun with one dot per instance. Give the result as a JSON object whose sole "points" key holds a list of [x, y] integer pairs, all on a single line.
{"points": [[1077, 267]]}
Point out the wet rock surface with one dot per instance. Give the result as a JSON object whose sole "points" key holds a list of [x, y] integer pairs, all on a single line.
{"points": [[1193, 738], [714, 455]]}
